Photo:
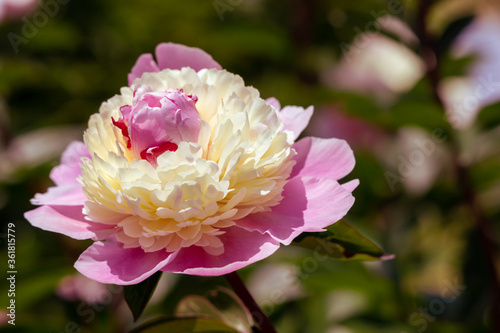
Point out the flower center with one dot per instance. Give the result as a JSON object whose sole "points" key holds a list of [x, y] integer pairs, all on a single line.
{"points": [[157, 122], [152, 153], [122, 124]]}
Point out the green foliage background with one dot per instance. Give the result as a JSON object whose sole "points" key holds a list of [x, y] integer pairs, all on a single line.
{"points": [[81, 57]]}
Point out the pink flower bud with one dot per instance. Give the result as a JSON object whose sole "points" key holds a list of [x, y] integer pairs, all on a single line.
{"points": [[158, 121]]}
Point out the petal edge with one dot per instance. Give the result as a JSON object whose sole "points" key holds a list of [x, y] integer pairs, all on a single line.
{"points": [[309, 204], [108, 262], [242, 248], [323, 158], [66, 220]]}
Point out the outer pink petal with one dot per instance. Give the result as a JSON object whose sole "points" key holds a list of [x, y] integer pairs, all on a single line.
{"points": [[144, 64], [65, 195], [296, 118], [351, 185], [109, 262], [176, 56], [67, 220], [309, 204], [274, 103], [241, 248], [69, 169], [323, 158]]}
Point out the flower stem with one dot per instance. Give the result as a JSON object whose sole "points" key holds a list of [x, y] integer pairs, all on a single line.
{"points": [[257, 314]]}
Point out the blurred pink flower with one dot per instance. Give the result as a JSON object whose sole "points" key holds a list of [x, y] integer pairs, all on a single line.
{"points": [[419, 158], [13, 9], [219, 185], [464, 97], [75, 288], [374, 64], [34, 148], [275, 283], [4, 318], [330, 122]]}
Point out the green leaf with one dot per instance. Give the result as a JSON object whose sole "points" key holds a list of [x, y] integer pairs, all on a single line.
{"points": [[137, 296], [342, 242], [220, 304], [414, 109], [450, 66], [452, 32], [489, 117], [183, 325]]}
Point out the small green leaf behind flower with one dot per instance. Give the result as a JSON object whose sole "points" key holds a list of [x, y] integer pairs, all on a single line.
{"points": [[222, 308], [183, 325], [138, 295], [221, 304], [342, 242], [219, 311]]}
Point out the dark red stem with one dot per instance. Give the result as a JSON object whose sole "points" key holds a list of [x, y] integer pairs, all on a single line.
{"points": [[257, 314]]}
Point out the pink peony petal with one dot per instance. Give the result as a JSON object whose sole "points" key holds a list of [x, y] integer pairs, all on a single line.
{"points": [[163, 117], [121, 124], [241, 248], [351, 185], [144, 64], [274, 103], [64, 195], [323, 158], [151, 154], [309, 205], [296, 118], [66, 220], [176, 56], [108, 262], [172, 56], [69, 169]]}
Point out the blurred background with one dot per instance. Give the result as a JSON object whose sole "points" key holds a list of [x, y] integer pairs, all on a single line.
{"points": [[413, 86]]}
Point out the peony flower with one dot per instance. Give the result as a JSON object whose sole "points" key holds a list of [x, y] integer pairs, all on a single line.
{"points": [[76, 288], [189, 171], [330, 121]]}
